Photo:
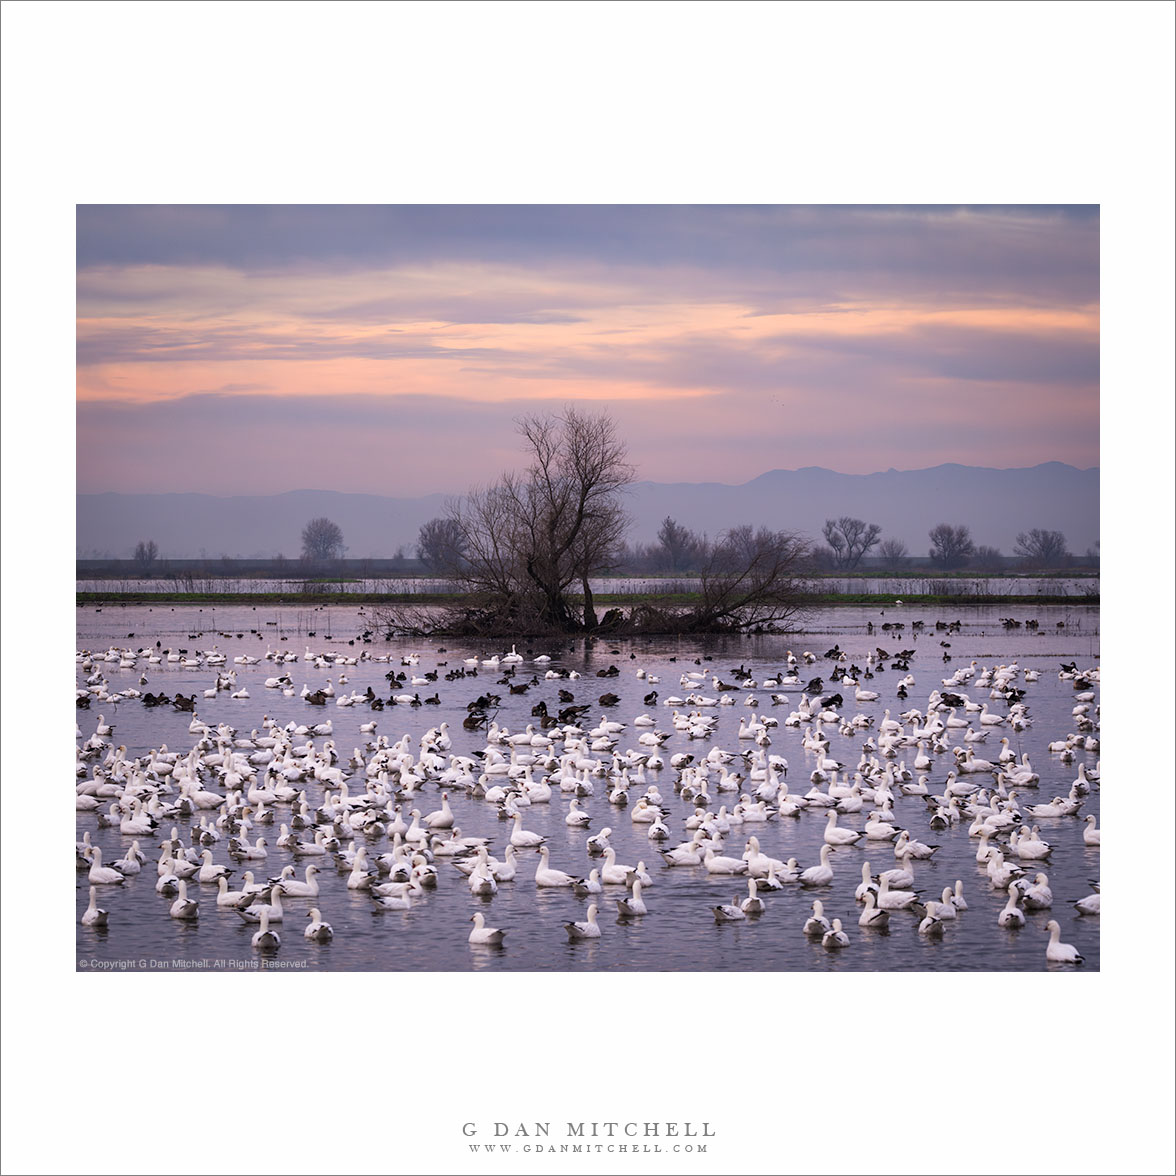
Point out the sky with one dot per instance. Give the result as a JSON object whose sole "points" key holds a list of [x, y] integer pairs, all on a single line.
{"points": [[391, 349]]}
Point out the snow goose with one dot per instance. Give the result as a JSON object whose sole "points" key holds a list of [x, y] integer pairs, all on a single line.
{"points": [[583, 887], [209, 871], [546, 877], [264, 938], [316, 929], [957, 899], [442, 818], [894, 900], [1091, 904], [93, 916], [1038, 895], [873, 916], [1012, 916], [819, 875], [730, 912], [902, 878], [1056, 951], [101, 875], [226, 897], [752, 904], [253, 913], [816, 924], [522, 838], [612, 874], [589, 929], [835, 836], [598, 844], [931, 925], [867, 885], [634, 905], [577, 818], [295, 889], [481, 934], [718, 864], [1091, 835], [1001, 874], [184, 907], [834, 938]]}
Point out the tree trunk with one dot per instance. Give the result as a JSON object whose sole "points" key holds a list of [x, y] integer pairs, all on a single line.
{"points": [[590, 621]]}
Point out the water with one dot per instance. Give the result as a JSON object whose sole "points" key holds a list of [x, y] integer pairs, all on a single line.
{"points": [[1080, 587], [679, 933]]}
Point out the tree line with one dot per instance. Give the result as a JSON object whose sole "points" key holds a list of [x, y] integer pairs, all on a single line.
{"points": [[524, 551]]}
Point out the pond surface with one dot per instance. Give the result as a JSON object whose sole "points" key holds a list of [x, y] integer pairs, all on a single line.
{"points": [[679, 933], [1080, 587]]}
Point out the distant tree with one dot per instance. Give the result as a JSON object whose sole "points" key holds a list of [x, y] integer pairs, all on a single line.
{"points": [[146, 553], [322, 539], [850, 539], [893, 553], [1043, 549], [823, 559], [951, 546], [987, 557], [679, 545], [441, 545]]}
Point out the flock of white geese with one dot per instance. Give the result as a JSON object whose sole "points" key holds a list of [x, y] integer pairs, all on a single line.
{"points": [[299, 818]]}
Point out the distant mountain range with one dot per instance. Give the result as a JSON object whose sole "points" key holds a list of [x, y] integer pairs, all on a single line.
{"points": [[906, 504]]}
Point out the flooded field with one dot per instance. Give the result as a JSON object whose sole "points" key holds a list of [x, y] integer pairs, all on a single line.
{"points": [[331, 744], [1080, 587]]}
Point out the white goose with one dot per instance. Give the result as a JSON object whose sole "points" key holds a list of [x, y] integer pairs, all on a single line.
{"points": [[101, 875], [184, 907], [492, 936], [873, 915], [1012, 916], [522, 838], [634, 905], [612, 874], [316, 929], [295, 889], [730, 912], [1056, 951], [816, 924], [820, 875], [589, 929], [835, 937], [545, 876], [835, 836], [93, 916], [752, 904], [264, 938]]}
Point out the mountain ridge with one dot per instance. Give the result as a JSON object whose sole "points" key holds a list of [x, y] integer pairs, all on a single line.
{"points": [[995, 503]]}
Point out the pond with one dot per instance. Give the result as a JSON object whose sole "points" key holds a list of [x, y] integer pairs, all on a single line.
{"points": [[680, 932]]}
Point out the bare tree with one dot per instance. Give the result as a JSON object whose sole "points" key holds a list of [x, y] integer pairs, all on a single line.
{"points": [[950, 546], [750, 579], [893, 553], [441, 545], [1043, 549], [679, 545], [146, 553], [850, 539], [989, 558], [533, 539], [322, 540]]}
